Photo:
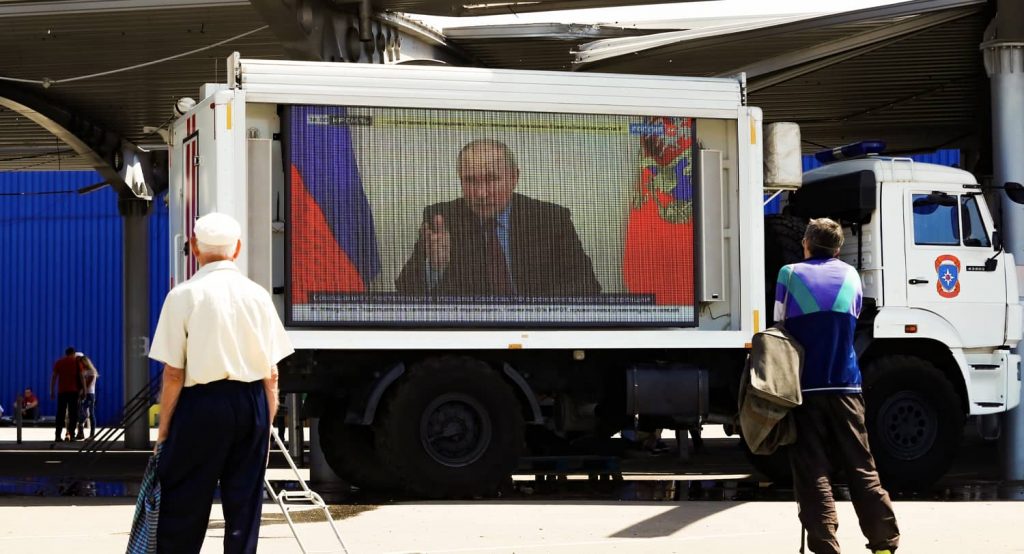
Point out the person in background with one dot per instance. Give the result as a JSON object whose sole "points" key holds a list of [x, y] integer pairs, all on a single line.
{"points": [[29, 405], [66, 386], [820, 300], [220, 339], [87, 411]]}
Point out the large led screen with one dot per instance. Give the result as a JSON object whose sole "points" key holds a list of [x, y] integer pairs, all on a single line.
{"points": [[438, 217]]}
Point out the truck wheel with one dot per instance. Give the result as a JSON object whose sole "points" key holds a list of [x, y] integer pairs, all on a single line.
{"points": [[914, 420], [782, 236], [451, 428], [351, 452]]}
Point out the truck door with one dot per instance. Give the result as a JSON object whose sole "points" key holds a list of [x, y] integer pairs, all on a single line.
{"points": [[947, 244]]}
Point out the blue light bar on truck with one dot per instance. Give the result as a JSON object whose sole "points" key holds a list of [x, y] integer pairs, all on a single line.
{"points": [[850, 151]]}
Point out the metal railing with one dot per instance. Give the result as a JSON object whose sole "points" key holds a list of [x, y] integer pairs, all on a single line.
{"points": [[136, 407]]}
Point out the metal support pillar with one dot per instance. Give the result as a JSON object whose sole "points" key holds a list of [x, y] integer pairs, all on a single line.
{"points": [[134, 214], [296, 430], [17, 415], [1004, 61], [351, 31]]}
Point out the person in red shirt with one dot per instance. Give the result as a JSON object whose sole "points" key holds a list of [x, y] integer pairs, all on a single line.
{"points": [[29, 405], [67, 378]]}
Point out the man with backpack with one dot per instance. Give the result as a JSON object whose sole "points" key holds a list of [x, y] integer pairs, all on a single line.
{"points": [[820, 300]]}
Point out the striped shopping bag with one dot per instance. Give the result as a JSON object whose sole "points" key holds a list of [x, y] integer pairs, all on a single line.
{"points": [[147, 510]]}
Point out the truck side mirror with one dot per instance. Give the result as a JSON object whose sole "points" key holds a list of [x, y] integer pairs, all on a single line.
{"points": [[1015, 192], [997, 241]]}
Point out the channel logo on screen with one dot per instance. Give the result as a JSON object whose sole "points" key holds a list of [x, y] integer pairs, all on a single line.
{"points": [[647, 129], [340, 120]]}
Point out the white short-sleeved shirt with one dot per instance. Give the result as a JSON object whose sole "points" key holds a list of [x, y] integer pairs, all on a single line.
{"points": [[220, 325], [91, 389]]}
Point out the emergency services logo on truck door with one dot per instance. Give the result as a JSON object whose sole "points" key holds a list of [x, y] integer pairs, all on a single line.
{"points": [[947, 268]]}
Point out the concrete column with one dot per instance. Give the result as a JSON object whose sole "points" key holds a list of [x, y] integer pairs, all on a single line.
{"points": [[1004, 61], [136, 311]]}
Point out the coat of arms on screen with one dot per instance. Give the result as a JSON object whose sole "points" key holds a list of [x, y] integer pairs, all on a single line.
{"points": [[666, 174], [658, 253]]}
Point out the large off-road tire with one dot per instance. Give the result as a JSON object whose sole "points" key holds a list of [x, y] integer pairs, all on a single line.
{"points": [[782, 236], [452, 427], [351, 452], [915, 420]]}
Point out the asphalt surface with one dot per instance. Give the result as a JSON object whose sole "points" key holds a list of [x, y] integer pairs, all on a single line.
{"points": [[51, 500]]}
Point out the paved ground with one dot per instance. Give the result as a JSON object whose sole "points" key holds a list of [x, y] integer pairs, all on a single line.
{"points": [[101, 526], [559, 517]]}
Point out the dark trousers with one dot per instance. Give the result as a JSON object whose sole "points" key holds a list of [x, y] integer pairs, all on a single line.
{"points": [[830, 435], [67, 406], [219, 432]]}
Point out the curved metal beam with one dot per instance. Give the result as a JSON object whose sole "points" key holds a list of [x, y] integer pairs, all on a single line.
{"points": [[132, 172]]}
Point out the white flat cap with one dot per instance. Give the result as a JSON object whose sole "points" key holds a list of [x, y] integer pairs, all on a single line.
{"points": [[217, 229]]}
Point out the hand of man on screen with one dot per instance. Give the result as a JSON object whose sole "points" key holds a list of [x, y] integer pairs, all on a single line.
{"points": [[438, 242]]}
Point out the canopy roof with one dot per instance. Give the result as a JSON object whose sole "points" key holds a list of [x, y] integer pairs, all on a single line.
{"points": [[908, 73]]}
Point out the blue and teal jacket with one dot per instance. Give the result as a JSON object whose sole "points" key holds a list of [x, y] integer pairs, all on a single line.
{"points": [[821, 312]]}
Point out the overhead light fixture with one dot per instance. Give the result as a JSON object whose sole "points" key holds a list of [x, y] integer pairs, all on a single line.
{"points": [[183, 105]]}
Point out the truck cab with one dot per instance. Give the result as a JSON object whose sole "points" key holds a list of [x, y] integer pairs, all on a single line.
{"points": [[941, 309]]}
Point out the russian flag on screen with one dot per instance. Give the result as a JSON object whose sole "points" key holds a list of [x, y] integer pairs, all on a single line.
{"points": [[334, 245]]}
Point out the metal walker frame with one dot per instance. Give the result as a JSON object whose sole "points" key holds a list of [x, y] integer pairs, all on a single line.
{"points": [[302, 499]]}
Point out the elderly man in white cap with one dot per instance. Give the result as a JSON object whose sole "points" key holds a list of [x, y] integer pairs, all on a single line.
{"points": [[220, 339]]}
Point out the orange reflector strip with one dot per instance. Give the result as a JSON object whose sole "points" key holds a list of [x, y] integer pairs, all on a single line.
{"points": [[515, 346], [753, 132], [910, 329], [748, 345], [757, 321], [229, 115]]}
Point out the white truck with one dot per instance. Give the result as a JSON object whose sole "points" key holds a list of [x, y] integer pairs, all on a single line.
{"points": [[478, 265]]}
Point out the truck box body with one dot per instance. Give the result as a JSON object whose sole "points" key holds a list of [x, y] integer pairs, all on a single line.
{"points": [[405, 162], [478, 265]]}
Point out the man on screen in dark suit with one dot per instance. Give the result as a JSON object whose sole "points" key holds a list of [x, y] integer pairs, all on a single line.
{"points": [[493, 241]]}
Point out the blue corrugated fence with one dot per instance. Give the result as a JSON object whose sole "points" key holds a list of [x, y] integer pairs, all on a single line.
{"points": [[61, 282]]}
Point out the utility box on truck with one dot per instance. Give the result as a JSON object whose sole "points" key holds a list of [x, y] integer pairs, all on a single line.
{"points": [[475, 265]]}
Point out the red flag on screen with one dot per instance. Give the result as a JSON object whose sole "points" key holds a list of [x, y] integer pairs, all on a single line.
{"points": [[333, 241]]}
